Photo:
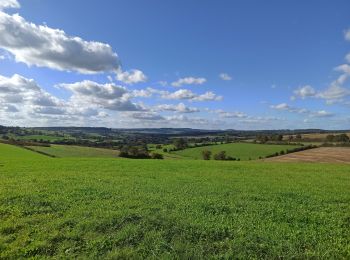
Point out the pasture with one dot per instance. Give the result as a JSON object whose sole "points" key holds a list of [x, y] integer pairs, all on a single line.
{"points": [[109, 208], [62, 151], [16, 153], [244, 151], [322, 154]]}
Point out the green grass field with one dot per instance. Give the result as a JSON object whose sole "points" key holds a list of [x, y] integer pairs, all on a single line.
{"points": [[75, 151], [13, 152], [109, 208], [244, 151]]}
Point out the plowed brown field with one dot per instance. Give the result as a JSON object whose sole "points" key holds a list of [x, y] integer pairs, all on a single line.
{"points": [[323, 154]]}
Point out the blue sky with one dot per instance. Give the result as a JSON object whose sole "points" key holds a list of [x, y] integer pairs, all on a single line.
{"points": [[200, 64]]}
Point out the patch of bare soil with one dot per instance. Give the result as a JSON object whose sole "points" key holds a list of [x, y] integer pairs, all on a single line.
{"points": [[322, 154]]}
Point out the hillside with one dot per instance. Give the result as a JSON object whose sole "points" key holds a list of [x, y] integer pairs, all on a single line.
{"points": [[108, 208], [76, 151], [244, 151]]}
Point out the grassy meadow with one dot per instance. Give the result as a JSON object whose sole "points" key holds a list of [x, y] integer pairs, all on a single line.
{"points": [[244, 151], [62, 151], [109, 208]]}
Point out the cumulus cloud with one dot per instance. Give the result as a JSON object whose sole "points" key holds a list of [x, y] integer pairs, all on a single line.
{"points": [[149, 116], [9, 4], [225, 114], [108, 96], [347, 35], [181, 94], [336, 92], [305, 91], [181, 108], [131, 77], [189, 95], [282, 106], [225, 76], [188, 81], [322, 113], [22, 94], [347, 57], [286, 107], [43, 46]]}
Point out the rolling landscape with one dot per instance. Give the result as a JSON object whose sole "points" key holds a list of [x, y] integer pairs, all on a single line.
{"points": [[174, 129]]}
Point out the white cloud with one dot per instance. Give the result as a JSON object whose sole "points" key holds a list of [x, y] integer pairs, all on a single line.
{"points": [[225, 76], [187, 94], [286, 107], [347, 57], [131, 77], [43, 46], [181, 108], [149, 116], [108, 96], [9, 4], [335, 93], [347, 35], [188, 81], [282, 106], [225, 114], [305, 91], [144, 93], [22, 94], [322, 113]]}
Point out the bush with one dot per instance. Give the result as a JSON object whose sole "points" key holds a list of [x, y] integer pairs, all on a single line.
{"points": [[220, 156], [165, 150], [135, 152], [157, 156], [206, 154]]}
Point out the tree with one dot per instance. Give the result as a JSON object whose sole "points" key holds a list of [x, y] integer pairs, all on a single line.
{"points": [[156, 156], [220, 156], [180, 143], [206, 154], [330, 138], [342, 138]]}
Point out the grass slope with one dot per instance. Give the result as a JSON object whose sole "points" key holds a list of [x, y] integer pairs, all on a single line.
{"points": [[76, 151], [244, 151], [105, 208], [17, 153]]}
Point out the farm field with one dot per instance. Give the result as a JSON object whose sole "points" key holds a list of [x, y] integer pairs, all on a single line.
{"points": [[13, 152], [75, 151], [323, 154], [108, 208], [315, 135], [244, 151]]}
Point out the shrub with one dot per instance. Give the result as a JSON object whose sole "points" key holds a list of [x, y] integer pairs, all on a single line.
{"points": [[135, 152], [206, 154], [220, 156], [157, 156]]}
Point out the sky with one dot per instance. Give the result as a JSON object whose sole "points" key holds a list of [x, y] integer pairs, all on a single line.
{"points": [[159, 63]]}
